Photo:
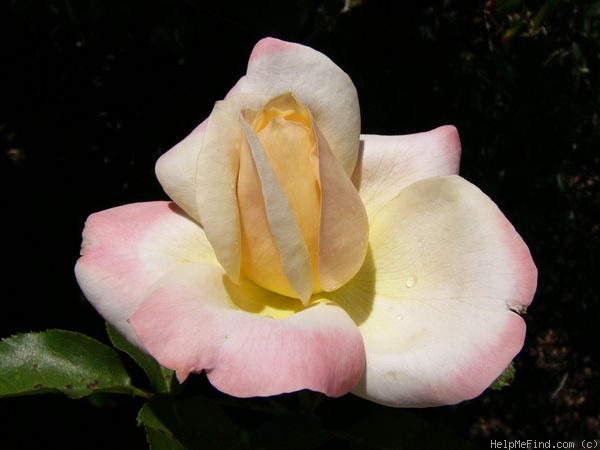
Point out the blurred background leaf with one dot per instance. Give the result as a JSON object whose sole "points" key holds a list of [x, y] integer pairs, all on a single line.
{"points": [[189, 423]]}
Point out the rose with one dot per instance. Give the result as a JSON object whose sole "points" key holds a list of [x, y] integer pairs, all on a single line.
{"points": [[299, 254]]}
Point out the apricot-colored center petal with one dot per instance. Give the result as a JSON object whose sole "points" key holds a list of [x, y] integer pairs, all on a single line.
{"points": [[280, 245], [304, 228]]}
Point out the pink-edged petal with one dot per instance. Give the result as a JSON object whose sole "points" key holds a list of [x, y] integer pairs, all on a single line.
{"points": [[127, 248], [445, 274], [388, 164], [326, 90], [189, 323], [176, 171]]}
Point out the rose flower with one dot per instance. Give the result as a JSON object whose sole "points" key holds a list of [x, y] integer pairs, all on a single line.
{"points": [[297, 253]]}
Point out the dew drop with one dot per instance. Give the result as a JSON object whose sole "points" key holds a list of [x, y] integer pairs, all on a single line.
{"points": [[399, 316], [410, 282]]}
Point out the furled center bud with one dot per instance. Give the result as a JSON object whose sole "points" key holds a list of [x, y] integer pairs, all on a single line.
{"points": [[287, 178]]}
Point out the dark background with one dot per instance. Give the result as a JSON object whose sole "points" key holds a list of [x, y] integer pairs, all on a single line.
{"points": [[93, 91]]}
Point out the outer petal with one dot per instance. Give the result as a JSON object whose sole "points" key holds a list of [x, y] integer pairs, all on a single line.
{"points": [[276, 66], [206, 162], [127, 248], [190, 323], [176, 171], [388, 164], [448, 272]]}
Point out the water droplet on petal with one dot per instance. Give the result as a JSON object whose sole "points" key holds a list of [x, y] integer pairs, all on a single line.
{"points": [[410, 282], [399, 316]]}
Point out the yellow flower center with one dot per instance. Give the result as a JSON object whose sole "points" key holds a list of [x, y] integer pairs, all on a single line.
{"points": [[280, 198]]}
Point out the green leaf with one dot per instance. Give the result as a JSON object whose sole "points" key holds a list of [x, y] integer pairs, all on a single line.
{"points": [[189, 423], [505, 379], [512, 32], [161, 379], [159, 436], [60, 361], [542, 15], [507, 6]]}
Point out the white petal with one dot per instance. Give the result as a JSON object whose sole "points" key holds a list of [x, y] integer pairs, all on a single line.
{"points": [[217, 168], [388, 164], [434, 301], [176, 171]]}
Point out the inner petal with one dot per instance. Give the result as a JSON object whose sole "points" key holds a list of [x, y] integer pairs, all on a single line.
{"points": [[279, 246], [279, 197], [292, 152]]}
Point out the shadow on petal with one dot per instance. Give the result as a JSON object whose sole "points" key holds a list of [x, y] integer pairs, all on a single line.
{"points": [[356, 176], [357, 296], [252, 298]]}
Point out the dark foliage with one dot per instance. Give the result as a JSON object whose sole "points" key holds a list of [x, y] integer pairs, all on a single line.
{"points": [[93, 91]]}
